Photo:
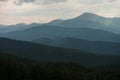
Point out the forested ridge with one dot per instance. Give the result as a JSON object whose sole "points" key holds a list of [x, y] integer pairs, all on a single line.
{"points": [[12, 69]]}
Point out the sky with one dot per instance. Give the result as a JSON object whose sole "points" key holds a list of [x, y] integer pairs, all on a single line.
{"points": [[42, 11]]}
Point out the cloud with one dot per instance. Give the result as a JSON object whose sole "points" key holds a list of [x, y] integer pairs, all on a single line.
{"points": [[94, 2], [30, 11], [3, 0], [111, 0], [20, 2], [50, 1], [91, 1]]}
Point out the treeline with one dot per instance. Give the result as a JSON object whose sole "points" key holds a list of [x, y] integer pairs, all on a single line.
{"points": [[11, 69]]}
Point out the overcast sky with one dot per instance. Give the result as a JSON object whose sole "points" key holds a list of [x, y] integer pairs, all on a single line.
{"points": [[29, 11]]}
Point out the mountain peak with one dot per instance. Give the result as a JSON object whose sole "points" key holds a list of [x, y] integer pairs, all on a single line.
{"points": [[56, 21], [87, 13], [91, 16]]}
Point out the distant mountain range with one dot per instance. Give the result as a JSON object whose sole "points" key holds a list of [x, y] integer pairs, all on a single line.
{"points": [[55, 32], [88, 39], [44, 53], [89, 20], [86, 20], [55, 22], [82, 35], [87, 26], [96, 47], [17, 27]]}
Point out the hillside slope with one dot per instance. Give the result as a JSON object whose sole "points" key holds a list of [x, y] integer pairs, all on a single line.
{"points": [[54, 54]]}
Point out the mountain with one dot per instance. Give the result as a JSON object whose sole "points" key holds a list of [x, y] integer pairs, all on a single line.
{"points": [[96, 47], [112, 25], [34, 24], [90, 20], [86, 20], [1, 26], [57, 32], [55, 22], [54, 54], [18, 59], [45, 41], [90, 16], [16, 27], [11, 28]]}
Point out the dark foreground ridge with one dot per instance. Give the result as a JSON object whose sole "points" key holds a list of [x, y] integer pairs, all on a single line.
{"points": [[45, 53], [12, 69]]}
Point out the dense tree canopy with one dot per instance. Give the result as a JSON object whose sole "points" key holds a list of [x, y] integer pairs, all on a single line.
{"points": [[12, 69]]}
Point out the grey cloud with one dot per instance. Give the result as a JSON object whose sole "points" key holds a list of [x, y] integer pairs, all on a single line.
{"points": [[50, 1], [111, 0], [20, 2], [3, 0], [91, 1]]}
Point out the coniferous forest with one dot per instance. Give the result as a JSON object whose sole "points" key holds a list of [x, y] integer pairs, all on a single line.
{"points": [[16, 68]]}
